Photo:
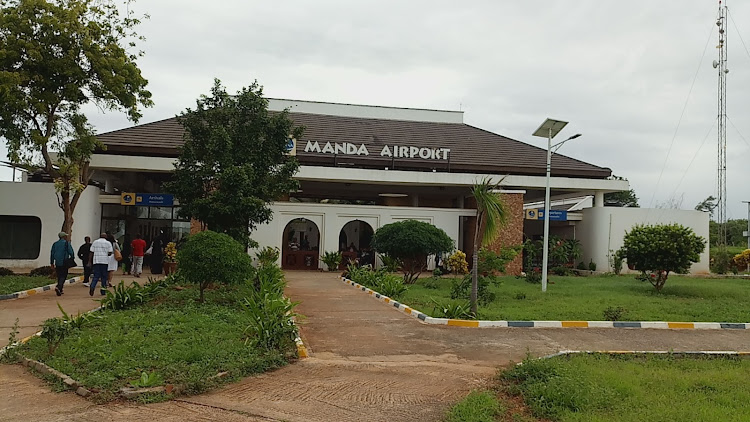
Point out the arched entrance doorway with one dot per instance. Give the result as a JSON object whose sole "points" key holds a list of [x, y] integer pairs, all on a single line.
{"points": [[300, 245], [354, 243]]}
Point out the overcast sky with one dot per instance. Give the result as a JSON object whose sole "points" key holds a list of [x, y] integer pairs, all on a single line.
{"points": [[620, 72]]}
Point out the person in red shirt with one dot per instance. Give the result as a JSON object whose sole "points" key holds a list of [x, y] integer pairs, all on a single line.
{"points": [[139, 246]]}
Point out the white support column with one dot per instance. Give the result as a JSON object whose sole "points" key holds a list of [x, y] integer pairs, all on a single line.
{"points": [[598, 199]]}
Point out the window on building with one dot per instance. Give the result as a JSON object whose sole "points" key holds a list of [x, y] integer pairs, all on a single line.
{"points": [[21, 237]]}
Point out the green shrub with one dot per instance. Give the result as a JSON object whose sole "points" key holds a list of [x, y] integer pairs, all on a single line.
{"points": [[271, 315], [533, 276], [615, 260], [476, 407], [722, 261], [209, 257], [657, 250], [592, 265], [742, 260], [452, 309], [457, 263], [45, 271], [431, 283], [391, 286], [561, 271], [491, 261], [54, 331], [267, 256], [581, 266], [332, 260], [411, 241], [614, 313], [436, 272], [390, 264], [461, 288], [5, 271], [123, 297]]}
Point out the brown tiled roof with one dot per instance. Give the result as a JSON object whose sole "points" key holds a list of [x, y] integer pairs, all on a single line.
{"points": [[473, 150]]}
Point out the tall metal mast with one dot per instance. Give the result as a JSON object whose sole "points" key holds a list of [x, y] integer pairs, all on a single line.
{"points": [[721, 65]]}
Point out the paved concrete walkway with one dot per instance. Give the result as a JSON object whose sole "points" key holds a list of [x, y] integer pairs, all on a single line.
{"points": [[32, 311], [369, 363]]}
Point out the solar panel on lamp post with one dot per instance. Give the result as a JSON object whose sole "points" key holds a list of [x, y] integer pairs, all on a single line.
{"points": [[549, 129]]}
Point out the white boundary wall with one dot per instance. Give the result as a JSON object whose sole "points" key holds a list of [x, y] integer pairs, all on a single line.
{"points": [[330, 219], [603, 229], [39, 200]]}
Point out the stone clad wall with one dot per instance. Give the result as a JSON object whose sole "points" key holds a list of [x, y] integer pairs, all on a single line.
{"points": [[510, 235]]}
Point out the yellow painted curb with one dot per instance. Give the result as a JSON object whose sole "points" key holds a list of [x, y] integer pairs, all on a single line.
{"points": [[31, 292], [462, 323], [302, 351], [407, 310], [681, 325], [575, 324], [386, 300]]}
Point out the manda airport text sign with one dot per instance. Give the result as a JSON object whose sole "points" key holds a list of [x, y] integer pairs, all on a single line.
{"points": [[392, 151]]}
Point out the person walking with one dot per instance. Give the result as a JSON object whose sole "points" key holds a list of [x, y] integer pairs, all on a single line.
{"points": [[83, 255], [113, 262], [157, 253], [59, 253], [127, 255], [138, 246], [101, 251]]}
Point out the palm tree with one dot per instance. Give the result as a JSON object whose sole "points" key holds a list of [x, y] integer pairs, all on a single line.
{"points": [[492, 214]]}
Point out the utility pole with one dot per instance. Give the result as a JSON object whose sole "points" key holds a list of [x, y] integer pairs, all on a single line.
{"points": [[747, 233]]}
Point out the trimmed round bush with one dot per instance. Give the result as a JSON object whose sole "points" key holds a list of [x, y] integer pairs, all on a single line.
{"points": [[5, 271], [45, 271], [209, 257]]}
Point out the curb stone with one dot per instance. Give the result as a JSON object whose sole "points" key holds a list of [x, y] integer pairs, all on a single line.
{"points": [[31, 292], [48, 370], [426, 319]]}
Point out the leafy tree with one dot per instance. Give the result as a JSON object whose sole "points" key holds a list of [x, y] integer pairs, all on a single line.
{"points": [[622, 198], [410, 241], [657, 250], [55, 57], [234, 162], [492, 214], [734, 228], [707, 205], [209, 257]]}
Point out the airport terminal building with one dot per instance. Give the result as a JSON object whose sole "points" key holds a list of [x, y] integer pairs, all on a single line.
{"points": [[361, 167]]}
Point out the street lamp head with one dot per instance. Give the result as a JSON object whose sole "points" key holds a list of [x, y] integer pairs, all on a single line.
{"points": [[574, 136]]}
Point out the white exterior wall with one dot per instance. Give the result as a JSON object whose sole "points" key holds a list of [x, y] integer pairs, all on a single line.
{"points": [[330, 219], [604, 229], [39, 200]]}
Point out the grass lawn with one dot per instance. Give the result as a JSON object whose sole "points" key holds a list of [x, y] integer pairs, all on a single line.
{"points": [[16, 283], [633, 388], [586, 298], [182, 341]]}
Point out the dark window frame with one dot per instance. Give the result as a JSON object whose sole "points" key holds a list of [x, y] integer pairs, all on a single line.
{"points": [[12, 232]]}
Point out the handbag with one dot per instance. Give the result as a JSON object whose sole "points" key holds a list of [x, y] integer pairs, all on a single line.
{"points": [[118, 255], [69, 262]]}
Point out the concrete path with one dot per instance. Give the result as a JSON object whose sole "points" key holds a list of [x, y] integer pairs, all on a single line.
{"points": [[369, 363]]}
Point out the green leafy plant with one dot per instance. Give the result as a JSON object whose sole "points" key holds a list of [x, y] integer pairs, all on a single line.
{"points": [[722, 261], [11, 354], [615, 260], [209, 257], [79, 320], [436, 273], [657, 250], [267, 256], [533, 276], [271, 315], [146, 380], [476, 407], [614, 313], [561, 271], [390, 264], [123, 297], [452, 309], [411, 241], [461, 288], [391, 286], [581, 266], [592, 265], [491, 261], [54, 330], [332, 259]]}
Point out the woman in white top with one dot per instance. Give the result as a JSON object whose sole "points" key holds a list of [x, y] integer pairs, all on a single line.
{"points": [[113, 264]]}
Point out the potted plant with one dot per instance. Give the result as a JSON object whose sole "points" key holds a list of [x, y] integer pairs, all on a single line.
{"points": [[170, 258]]}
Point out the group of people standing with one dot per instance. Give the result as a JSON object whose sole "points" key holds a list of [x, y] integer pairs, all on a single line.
{"points": [[102, 257]]}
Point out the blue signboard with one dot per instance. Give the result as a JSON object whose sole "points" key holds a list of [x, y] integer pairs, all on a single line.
{"points": [[554, 215], [154, 199]]}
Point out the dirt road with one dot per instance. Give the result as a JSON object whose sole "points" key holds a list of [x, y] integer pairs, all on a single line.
{"points": [[369, 363]]}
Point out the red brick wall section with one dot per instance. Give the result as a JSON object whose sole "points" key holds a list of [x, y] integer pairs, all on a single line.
{"points": [[195, 226], [510, 235]]}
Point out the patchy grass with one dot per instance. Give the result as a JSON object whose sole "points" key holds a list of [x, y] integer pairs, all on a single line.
{"points": [[586, 298], [16, 283], [173, 336], [639, 388], [476, 407]]}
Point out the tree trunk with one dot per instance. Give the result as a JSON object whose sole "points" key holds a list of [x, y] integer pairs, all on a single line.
{"points": [[475, 267]]}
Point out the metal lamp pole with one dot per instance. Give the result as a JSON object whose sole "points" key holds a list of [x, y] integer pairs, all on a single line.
{"points": [[549, 129]]}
